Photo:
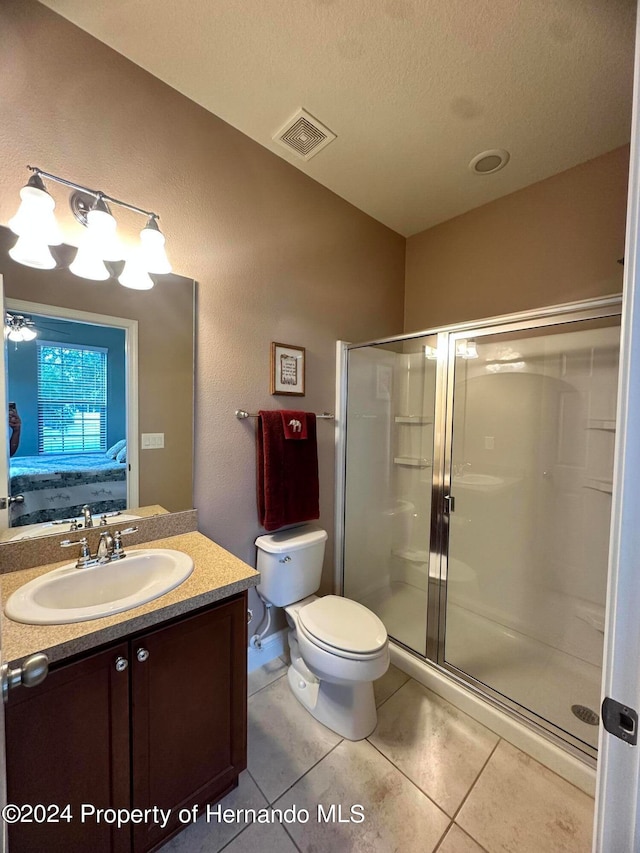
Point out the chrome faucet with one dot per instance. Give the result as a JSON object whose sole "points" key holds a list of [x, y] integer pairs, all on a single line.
{"points": [[105, 547], [86, 514], [109, 548]]}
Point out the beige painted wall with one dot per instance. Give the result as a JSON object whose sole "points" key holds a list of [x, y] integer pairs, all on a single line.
{"points": [[276, 256], [555, 241]]}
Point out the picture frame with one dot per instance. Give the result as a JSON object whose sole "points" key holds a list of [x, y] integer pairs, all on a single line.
{"points": [[287, 370]]}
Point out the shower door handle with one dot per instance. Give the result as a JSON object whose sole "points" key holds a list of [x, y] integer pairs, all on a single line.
{"points": [[449, 504]]}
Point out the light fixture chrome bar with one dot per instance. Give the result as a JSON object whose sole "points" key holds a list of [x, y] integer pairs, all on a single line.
{"points": [[242, 415], [95, 193]]}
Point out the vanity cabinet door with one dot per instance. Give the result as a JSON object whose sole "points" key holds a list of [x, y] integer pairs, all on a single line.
{"points": [[188, 714], [68, 743]]}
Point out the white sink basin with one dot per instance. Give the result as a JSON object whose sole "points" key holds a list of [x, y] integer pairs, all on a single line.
{"points": [[56, 527], [470, 479], [76, 595]]}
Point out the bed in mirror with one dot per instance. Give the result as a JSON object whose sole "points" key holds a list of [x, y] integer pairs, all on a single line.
{"points": [[96, 398]]}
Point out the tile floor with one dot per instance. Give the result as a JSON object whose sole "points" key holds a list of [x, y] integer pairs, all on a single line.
{"points": [[428, 779]]}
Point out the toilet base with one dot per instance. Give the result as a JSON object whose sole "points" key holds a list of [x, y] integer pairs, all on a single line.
{"points": [[348, 710]]}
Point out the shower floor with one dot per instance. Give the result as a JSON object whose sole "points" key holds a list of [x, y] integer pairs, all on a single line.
{"points": [[535, 675]]}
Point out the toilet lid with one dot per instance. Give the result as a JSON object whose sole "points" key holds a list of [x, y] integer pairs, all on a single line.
{"points": [[343, 624]]}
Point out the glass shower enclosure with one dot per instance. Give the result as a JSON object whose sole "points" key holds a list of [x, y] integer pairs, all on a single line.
{"points": [[477, 499]]}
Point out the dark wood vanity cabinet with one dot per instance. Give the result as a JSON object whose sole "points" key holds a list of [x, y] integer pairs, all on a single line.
{"points": [[67, 742], [189, 714], [168, 729]]}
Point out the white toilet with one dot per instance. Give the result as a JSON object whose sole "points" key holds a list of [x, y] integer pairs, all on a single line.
{"points": [[338, 647]]}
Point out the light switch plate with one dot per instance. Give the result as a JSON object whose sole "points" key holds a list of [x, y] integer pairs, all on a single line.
{"points": [[152, 440]]}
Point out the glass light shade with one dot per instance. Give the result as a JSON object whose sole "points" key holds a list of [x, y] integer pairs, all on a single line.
{"points": [[15, 335], [134, 274], [35, 217], [101, 234], [88, 264], [153, 251], [32, 252], [28, 333]]}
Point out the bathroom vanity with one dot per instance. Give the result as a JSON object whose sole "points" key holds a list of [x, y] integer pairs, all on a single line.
{"points": [[142, 709]]}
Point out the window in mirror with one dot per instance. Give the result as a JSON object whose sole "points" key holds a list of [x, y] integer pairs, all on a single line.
{"points": [[72, 397], [68, 396]]}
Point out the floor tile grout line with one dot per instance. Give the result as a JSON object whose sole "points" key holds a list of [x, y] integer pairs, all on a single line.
{"points": [[257, 786], [231, 840], [246, 826], [409, 779], [264, 686], [442, 838], [394, 692], [269, 806], [306, 772], [464, 831], [475, 781], [292, 839]]}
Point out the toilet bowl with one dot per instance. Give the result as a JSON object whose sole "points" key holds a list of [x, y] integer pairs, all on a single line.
{"points": [[338, 647]]}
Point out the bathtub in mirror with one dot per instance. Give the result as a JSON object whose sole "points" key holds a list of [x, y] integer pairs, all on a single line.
{"points": [[148, 338]]}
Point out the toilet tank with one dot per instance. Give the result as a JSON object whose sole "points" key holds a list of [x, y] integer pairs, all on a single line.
{"points": [[290, 564]]}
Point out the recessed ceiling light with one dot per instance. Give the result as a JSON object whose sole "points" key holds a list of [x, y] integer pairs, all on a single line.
{"points": [[488, 162]]}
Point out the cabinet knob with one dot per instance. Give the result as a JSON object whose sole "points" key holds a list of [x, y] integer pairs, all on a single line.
{"points": [[32, 672], [121, 664], [142, 655]]}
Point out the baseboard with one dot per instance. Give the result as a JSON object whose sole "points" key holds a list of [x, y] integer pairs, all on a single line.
{"points": [[272, 647]]}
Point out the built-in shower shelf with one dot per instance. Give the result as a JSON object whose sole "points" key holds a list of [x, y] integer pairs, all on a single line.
{"points": [[412, 419], [599, 484], [415, 555], [601, 423], [412, 461]]}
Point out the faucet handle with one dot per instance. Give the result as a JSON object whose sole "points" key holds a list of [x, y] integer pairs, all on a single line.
{"points": [[126, 531], [118, 549], [67, 543], [85, 552]]}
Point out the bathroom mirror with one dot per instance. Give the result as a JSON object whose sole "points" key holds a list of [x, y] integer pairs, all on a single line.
{"points": [[148, 388]]}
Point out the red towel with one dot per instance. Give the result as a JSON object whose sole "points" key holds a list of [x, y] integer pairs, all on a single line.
{"points": [[287, 473], [294, 424]]}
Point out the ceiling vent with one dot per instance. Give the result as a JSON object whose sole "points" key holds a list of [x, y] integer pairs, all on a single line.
{"points": [[303, 135]]}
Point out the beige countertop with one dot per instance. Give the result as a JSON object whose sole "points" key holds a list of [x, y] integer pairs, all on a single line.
{"points": [[217, 574]]}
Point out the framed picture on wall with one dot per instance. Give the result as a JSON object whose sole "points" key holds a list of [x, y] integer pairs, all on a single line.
{"points": [[287, 369]]}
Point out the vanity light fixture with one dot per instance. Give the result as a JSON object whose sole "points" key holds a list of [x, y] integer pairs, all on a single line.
{"points": [[18, 328], [135, 273], [36, 228]]}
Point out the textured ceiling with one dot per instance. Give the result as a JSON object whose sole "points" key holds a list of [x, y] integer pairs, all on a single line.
{"points": [[412, 88]]}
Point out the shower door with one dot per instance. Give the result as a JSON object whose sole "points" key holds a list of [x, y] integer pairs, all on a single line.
{"points": [[528, 467], [388, 482]]}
